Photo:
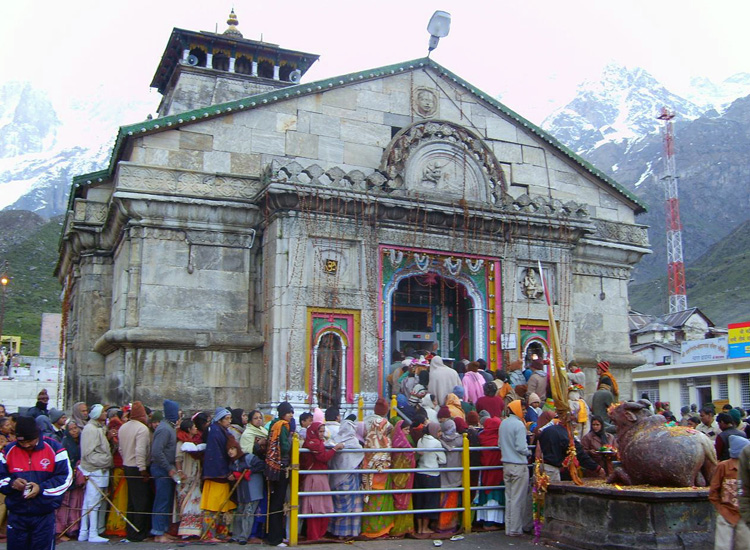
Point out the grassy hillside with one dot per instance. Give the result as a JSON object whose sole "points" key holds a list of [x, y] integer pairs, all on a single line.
{"points": [[30, 248], [717, 283]]}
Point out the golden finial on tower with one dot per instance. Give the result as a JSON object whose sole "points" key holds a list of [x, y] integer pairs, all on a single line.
{"points": [[232, 30]]}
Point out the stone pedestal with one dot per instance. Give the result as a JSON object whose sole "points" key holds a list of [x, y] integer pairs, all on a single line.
{"points": [[605, 518]]}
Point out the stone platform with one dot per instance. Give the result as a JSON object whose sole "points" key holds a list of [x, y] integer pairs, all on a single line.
{"points": [[598, 516]]}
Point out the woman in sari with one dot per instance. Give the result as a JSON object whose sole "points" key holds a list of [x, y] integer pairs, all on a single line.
{"points": [[454, 406], [70, 509], [215, 501], [488, 478], [188, 502], [253, 441], [115, 522], [378, 430], [348, 526], [402, 524], [452, 442], [316, 459]]}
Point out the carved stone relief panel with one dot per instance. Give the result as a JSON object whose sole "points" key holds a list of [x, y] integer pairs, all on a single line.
{"points": [[334, 263], [441, 168], [425, 102], [529, 282]]}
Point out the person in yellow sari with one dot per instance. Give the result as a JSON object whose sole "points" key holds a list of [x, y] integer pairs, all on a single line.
{"points": [[115, 523]]}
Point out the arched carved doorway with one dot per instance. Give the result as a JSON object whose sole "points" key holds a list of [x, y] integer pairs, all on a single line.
{"points": [[329, 357]]}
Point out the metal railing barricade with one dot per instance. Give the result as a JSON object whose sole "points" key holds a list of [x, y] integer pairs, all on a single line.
{"points": [[465, 489]]}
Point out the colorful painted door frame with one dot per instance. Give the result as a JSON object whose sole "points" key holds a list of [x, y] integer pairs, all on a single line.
{"points": [[479, 275], [346, 324]]}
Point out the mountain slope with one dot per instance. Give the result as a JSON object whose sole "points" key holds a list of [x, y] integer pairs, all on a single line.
{"points": [[716, 283], [29, 244]]}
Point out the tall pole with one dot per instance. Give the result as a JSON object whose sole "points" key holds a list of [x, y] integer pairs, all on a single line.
{"points": [[4, 283], [675, 262]]}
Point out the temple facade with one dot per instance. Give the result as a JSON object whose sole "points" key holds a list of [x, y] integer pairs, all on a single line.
{"points": [[265, 239]]}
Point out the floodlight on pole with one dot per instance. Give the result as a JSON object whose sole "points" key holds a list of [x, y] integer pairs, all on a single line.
{"points": [[438, 27]]}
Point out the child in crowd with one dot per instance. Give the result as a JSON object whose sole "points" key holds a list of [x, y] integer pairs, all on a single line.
{"points": [[247, 471]]}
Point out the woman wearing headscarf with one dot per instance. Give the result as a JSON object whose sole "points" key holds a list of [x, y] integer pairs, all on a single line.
{"points": [[254, 441], [452, 442], [79, 413], [467, 407], [594, 440], [316, 459], [347, 502], [188, 460], [378, 430], [278, 459], [431, 457], [429, 408], [490, 478], [215, 501], [237, 425], [402, 524], [115, 522], [70, 510], [473, 383], [454, 406]]}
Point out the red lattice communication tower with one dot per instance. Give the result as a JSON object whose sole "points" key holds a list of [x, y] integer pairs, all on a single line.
{"points": [[675, 263]]}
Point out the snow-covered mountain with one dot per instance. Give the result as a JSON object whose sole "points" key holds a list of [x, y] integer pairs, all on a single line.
{"points": [[621, 105], [43, 146]]}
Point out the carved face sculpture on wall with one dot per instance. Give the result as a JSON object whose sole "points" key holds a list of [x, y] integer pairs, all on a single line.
{"points": [[425, 102]]}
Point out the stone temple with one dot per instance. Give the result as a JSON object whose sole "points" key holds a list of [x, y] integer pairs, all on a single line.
{"points": [[266, 238]]}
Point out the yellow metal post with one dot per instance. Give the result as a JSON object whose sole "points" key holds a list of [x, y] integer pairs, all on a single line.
{"points": [[394, 406], [466, 464], [361, 408], [294, 493]]}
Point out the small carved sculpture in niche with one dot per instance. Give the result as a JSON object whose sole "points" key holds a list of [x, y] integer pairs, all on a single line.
{"points": [[530, 285], [433, 172], [425, 102]]}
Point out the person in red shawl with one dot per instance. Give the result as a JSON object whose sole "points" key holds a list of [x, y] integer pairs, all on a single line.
{"points": [[316, 459], [115, 524], [490, 478]]}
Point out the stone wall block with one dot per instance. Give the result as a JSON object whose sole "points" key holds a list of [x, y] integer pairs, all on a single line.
{"points": [[301, 145], [234, 139], [286, 122], [186, 160], [534, 155], [343, 98], [244, 164], [324, 125], [217, 162], [365, 133], [377, 101], [193, 141], [330, 150], [163, 140], [362, 155], [507, 152], [499, 128], [269, 142]]}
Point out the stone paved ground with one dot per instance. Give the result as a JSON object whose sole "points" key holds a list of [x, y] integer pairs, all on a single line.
{"points": [[485, 541]]}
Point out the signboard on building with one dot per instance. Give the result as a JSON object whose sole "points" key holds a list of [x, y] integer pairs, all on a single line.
{"points": [[711, 349], [739, 340]]}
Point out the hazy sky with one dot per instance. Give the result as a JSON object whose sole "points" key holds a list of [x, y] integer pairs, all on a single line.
{"points": [[527, 52]]}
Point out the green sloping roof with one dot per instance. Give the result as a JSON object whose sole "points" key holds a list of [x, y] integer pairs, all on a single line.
{"points": [[298, 90]]}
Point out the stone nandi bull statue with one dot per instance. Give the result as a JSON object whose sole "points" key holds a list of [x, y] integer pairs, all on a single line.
{"points": [[654, 454]]}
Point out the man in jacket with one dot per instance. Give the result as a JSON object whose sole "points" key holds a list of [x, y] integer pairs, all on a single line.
{"points": [[553, 443], [96, 460], [135, 450], [515, 452], [58, 420], [34, 475], [163, 469]]}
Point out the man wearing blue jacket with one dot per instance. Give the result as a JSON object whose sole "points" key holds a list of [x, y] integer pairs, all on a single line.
{"points": [[34, 475]]}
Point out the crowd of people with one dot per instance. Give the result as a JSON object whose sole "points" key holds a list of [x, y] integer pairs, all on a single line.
{"points": [[133, 472]]}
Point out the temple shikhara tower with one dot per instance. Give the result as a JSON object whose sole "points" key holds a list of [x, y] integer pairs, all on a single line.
{"points": [[269, 239]]}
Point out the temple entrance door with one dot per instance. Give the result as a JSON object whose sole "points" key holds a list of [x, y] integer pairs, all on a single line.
{"points": [[329, 359], [434, 314]]}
